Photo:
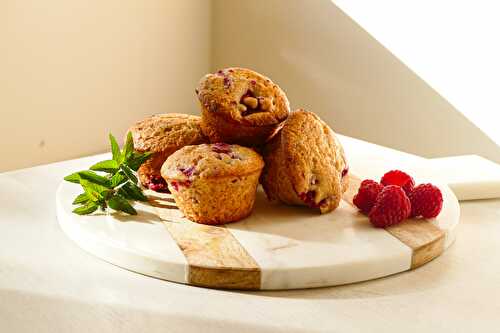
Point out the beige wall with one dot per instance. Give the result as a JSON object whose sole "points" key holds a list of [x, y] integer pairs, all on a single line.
{"points": [[72, 71], [328, 64]]}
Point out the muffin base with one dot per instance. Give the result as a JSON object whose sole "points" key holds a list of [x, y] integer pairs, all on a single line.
{"points": [[216, 201]]}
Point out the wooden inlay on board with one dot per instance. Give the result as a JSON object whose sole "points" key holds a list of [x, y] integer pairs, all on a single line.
{"points": [[424, 238], [215, 258]]}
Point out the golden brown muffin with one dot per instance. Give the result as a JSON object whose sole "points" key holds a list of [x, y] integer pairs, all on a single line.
{"points": [[213, 183], [305, 164], [163, 134], [241, 106]]}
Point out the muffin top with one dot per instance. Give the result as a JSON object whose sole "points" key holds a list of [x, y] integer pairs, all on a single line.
{"points": [[315, 160], [165, 132], [211, 160], [243, 96]]}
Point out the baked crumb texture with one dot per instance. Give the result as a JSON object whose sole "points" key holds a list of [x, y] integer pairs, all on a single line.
{"points": [[213, 183], [305, 164], [163, 134], [241, 106]]}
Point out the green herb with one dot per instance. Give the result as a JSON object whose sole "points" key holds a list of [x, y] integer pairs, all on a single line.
{"points": [[116, 187]]}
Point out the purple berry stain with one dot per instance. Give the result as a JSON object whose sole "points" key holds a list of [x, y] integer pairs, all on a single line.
{"points": [[221, 148], [188, 172]]}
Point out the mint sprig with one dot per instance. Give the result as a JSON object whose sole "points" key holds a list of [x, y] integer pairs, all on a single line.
{"points": [[116, 187]]}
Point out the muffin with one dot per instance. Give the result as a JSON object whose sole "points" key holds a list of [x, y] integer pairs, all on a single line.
{"points": [[305, 164], [163, 134], [240, 106], [213, 183]]}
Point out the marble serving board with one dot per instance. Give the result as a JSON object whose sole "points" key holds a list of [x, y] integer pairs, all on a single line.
{"points": [[277, 247]]}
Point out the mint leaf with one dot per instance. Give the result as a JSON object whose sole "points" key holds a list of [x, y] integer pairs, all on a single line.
{"points": [[117, 202], [74, 177], [137, 159], [129, 173], [132, 192], [95, 192], [85, 174], [109, 166], [118, 186], [118, 179], [94, 178], [128, 149], [81, 199], [115, 149], [86, 209]]}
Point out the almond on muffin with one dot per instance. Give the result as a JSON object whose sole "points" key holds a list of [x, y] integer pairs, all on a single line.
{"points": [[241, 106], [213, 183], [305, 164], [163, 134]]}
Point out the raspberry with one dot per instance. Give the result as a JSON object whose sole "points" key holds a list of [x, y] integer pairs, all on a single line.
{"points": [[391, 207], [426, 201], [400, 178], [367, 194]]}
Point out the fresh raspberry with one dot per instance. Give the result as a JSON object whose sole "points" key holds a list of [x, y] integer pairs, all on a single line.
{"points": [[367, 194], [426, 201], [391, 207], [399, 178]]}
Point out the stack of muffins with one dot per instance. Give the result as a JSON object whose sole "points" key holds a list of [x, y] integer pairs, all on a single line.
{"points": [[212, 164]]}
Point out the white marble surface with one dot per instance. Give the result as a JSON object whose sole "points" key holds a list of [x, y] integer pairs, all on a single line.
{"points": [[140, 243], [294, 247], [471, 177], [48, 284]]}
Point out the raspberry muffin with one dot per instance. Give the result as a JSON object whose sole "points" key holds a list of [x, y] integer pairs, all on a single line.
{"points": [[163, 134], [213, 183], [305, 164], [241, 106]]}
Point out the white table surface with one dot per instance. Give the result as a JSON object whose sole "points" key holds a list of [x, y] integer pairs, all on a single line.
{"points": [[47, 284]]}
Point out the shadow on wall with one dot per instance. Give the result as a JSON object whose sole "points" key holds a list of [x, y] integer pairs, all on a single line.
{"points": [[330, 65]]}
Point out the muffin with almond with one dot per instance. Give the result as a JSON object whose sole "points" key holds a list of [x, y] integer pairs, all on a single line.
{"points": [[241, 106], [305, 164], [163, 134], [213, 183]]}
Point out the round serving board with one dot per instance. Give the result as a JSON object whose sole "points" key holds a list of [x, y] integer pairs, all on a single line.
{"points": [[277, 247]]}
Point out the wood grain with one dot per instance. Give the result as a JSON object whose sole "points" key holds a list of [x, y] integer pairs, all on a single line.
{"points": [[215, 258], [424, 238]]}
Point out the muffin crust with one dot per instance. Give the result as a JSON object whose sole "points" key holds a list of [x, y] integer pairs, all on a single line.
{"points": [[163, 134], [213, 184], [240, 106], [305, 164]]}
